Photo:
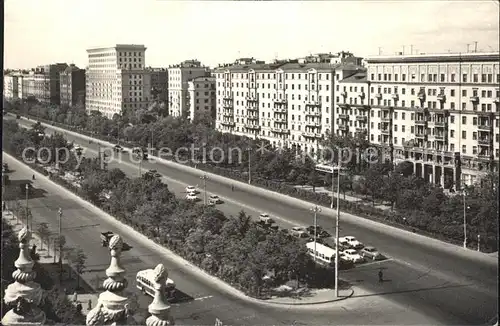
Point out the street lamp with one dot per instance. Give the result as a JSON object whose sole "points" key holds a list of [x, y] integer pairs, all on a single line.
{"points": [[337, 227], [204, 178], [315, 210], [60, 243], [249, 149], [465, 216], [27, 216]]}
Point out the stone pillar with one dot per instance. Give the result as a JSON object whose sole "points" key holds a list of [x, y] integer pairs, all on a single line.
{"points": [[113, 305], [159, 309], [433, 173], [442, 175], [423, 171], [24, 293]]}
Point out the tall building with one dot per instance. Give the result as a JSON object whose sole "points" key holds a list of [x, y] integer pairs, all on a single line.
{"points": [[43, 84], [159, 84], [178, 78], [440, 112], [72, 86], [11, 86], [290, 103], [117, 79], [201, 99]]}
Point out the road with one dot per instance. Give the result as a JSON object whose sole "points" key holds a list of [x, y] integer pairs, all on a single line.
{"points": [[448, 288]]}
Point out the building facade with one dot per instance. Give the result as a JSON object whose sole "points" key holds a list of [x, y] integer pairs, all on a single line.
{"points": [[11, 86], [201, 97], [440, 112], [178, 78], [159, 84], [43, 83], [117, 79], [72, 86], [290, 103]]}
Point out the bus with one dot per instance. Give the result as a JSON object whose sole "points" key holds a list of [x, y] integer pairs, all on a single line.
{"points": [[322, 253], [145, 282], [328, 168]]}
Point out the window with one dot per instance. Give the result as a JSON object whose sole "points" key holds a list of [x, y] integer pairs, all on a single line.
{"points": [[464, 134], [452, 77], [474, 121], [452, 133], [403, 128], [475, 77], [452, 119], [483, 78], [452, 93], [464, 78], [474, 135], [403, 116], [464, 149], [464, 120]]}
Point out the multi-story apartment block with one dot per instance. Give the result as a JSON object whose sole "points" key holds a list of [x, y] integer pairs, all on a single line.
{"points": [[178, 77], [43, 84], [440, 112], [290, 103], [117, 79], [72, 86], [159, 84], [201, 97], [11, 86]]}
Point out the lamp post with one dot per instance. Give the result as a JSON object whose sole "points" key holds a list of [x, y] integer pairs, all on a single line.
{"points": [[315, 210], [60, 243], [333, 178], [204, 178], [27, 216], [249, 166], [337, 227]]}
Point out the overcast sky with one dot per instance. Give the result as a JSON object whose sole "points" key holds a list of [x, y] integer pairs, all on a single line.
{"points": [[45, 31]]}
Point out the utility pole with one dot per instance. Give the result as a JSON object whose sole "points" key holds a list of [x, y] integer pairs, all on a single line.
{"points": [[411, 49], [465, 219], [333, 178], [249, 165], [27, 216], [337, 227], [60, 243], [475, 46], [204, 178], [315, 210]]}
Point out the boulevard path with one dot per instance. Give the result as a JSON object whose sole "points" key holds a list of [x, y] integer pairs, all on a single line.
{"points": [[447, 283]]}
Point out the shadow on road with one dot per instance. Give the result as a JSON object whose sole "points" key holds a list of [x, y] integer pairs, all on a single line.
{"points": [[15, 190], [181, 297], [410, 291], [50, 274]]}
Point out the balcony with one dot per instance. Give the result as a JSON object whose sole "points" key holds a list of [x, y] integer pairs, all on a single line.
{"points": [[362, 118], [311, 135], [441, 98], [484, 155], [251, 98], [227, 123], [385, 131], [439, 137], [484, 127], [344, 127], [395, 97], [280, 120], [378, 96], [312, 103], [227, 104], [484, 142], [421, 96], [252, 126], [421, 122], [343, 94], [280, 130], [420, 134], [362, 95], [313, 114], [343, 116], [281, 101], [252, 108], [252, 117], [496, 100], [474, 99], [313, 124], [227, 97], [279, 110], [439, 123]]}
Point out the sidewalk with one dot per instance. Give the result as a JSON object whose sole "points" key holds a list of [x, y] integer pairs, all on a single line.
{"points": [[314, 297]]}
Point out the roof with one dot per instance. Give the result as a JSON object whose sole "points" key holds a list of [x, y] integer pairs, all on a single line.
{"points": [[71, 68], [359, 77], [203, 78], [118, 46], [327, 251], [149, 274], [288, 67], [442, 57]]}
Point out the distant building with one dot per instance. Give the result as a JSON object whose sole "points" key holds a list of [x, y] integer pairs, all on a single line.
{"points": [[11, 86], [201, 91], [117, 79], [159, 84], [178, 78], [43, 83], [72, 86]]}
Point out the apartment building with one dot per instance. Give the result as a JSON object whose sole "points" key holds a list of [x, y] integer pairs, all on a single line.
{"points": [[440, 112], [43, 84], [11, 86], [159, 84], [72, 86], [117, 79], [178, 77], [201, 97], [290, 102]]}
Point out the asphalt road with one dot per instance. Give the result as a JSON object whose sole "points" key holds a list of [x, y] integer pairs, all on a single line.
{"points": [[448, 288]]}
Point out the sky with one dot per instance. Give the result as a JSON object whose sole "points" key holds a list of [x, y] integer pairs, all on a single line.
{"points": [[39, 32]]}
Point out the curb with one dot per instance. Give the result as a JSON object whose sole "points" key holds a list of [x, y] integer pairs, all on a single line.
{"points": [[216, 282], [271, 301], [423, 240]]}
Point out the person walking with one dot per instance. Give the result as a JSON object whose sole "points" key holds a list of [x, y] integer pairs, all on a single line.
{"points": [[232, 187], [75, 297], [89, 305], [380, 276], [33, 177]]}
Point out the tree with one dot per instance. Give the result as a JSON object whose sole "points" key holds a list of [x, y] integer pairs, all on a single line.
{"points": [[76, 259], [43, 233], [404, 168]]}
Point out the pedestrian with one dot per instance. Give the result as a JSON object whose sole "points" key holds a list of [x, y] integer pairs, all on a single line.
{"points": [[79, 307], [75, 297], [380, 276], [232, 187], [33, 177], [89, 305]]}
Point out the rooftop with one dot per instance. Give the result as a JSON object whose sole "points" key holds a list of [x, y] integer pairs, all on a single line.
{"points": [[437, 57], [119, 46], [359, 77]]}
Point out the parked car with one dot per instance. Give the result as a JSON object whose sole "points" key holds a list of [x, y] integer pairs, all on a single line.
{"points": [[350, 242], [299, 232], [310, 229], [214, 200], [155, 173], [106, 236], [371, 253], [192, 196], [323, 234], [191, 189], [353, 256], [266, 226], [264, 217]]}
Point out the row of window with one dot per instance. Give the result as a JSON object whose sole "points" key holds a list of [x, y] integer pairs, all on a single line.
{"points": [[485, 78], [227, 76]]}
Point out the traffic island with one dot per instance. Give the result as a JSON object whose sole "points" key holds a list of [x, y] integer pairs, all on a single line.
{"points": [[313, 297]]}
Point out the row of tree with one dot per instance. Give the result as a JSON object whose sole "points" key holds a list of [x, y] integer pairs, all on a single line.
{"points": [[232, 248]]}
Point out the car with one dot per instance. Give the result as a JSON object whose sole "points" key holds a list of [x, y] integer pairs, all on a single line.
{"points": [[310, 229], [191, 197], [264, 217], [352, 255], [371, 253], [299, 232], [155, 173], [191, 189], [214, 199], [323, 234], [350, 242], [118, 148]]}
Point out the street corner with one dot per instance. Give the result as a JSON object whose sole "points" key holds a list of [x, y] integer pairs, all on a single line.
{"points": [[311, 297]]}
